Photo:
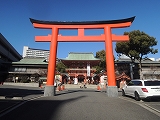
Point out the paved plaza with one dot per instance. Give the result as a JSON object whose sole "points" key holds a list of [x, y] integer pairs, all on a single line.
{"points": [[70, 104]]}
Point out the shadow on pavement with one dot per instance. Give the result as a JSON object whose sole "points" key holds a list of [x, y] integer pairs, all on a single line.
{"points": [[42, 109], [74, 91], [19, 92]]}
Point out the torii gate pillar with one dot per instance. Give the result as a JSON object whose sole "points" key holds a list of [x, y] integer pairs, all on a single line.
{"points": [[107, 37]]}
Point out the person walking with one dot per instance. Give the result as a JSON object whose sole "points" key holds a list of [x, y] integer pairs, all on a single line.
{"points": [[85, 82], [102, 83]]}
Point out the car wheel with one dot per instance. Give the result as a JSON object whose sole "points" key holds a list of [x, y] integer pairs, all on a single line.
{"points": [[123, 93], [137, 98]]}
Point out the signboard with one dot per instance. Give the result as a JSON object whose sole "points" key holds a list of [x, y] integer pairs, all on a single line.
{"points": [[88, 70]]}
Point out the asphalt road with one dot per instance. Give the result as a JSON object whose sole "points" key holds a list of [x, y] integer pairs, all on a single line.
{"points": [[76, 104]]}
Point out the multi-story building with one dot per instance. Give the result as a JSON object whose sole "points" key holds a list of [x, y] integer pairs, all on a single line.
{"points": [[36, 61], [33, 65], [8, 54], [32, 52], [80, 66], [28, 69], [150, 68]]}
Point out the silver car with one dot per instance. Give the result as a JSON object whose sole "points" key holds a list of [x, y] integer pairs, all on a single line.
{"points": [[141, 89]]}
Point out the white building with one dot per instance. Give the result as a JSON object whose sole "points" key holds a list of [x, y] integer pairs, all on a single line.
{"points": [[31, 52]]}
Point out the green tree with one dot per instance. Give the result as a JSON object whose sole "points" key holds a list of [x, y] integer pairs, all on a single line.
{"points": [[139, 45], [60, 67], [101, 55]]}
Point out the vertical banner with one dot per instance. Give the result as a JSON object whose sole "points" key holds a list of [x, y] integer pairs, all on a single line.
{"points": [[88, 69]]}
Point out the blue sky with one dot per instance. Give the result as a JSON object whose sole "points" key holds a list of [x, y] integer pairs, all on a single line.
{"points": [[16, 27]]}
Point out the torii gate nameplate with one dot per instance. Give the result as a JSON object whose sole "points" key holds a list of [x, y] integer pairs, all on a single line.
{"points": [[107, 37]]}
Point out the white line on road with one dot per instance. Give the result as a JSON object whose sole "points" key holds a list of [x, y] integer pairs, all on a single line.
{"points": [[147, 107]]}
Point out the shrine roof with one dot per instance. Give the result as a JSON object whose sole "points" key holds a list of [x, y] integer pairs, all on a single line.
{"points": [[31, 61], [131, 19], [80, 56]]}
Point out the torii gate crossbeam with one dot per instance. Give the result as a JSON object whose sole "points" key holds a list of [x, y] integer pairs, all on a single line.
{"points": [[107, 37]]}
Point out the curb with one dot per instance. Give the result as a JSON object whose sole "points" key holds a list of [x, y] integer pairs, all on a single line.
{"points": [[10, 98]]}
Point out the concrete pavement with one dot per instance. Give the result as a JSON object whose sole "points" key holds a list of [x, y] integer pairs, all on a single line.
{"points": [[78, 104]]}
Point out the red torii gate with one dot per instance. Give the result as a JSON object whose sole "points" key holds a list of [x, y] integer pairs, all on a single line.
{"points": [[107, 37]]}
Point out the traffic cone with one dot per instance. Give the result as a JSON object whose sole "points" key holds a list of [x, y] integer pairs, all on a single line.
{"points": [[62, 87], [40, 86], [98, 87], [59, 88]]}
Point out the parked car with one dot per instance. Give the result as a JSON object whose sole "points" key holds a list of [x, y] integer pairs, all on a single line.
{"points": [[142, 89]]}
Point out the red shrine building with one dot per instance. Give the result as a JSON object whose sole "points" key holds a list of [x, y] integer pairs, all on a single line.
{"points": [[80, 67]]}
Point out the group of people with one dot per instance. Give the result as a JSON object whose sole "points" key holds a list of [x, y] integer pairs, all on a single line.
{"points": [[102, 83]]}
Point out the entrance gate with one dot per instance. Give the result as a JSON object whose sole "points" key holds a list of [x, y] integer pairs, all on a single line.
{"points": [[107, 37]]}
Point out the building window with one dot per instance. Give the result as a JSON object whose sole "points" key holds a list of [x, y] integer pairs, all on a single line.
{"points": [[20, 69]]}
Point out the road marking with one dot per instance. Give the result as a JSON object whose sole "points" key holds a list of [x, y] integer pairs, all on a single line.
{"points": [[152, 108], [147, 107], [10, 98], [2, 97]]}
